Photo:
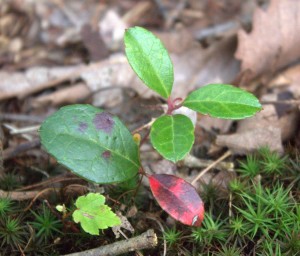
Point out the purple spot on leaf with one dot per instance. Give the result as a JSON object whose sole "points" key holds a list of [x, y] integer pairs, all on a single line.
{"points": [[106, 154], [82, 127], [104, 121]]}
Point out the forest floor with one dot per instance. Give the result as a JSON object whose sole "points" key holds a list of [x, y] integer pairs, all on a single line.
{"points": [[55, 53]]}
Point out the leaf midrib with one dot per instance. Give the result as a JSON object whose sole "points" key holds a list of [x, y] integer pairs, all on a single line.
{"points": [[219, 102], [152, 66], [98, 144]]}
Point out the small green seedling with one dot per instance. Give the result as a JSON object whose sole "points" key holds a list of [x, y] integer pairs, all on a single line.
{"points": [[98, 147]]}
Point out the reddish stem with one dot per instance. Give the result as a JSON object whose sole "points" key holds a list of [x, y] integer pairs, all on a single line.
{"points": [[173, 105]]}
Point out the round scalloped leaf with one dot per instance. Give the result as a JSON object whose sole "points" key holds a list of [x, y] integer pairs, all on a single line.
{"points": [[223, 101], [150, 60], [172, 136], [178, 198], [93, 214], [91, 143]]}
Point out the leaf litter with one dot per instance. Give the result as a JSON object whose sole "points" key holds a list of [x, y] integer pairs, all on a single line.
{"points": [[55, 53]]}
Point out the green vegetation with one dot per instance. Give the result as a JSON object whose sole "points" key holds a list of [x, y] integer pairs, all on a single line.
{"points": [[264, 213], [45, 224]]}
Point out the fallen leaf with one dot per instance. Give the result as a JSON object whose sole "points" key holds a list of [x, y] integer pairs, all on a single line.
{"points": [[21, 84], [253, 133], [250, 141], [273, 42], [124, 224], [69, 95], [290, 79], [94, 43], [178, 198]]}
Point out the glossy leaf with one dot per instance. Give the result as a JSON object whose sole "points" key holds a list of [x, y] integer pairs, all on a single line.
{"points": [[223, 101], [178, 198], [172, 136], [150, 60], [92, 143], [93, 214]]}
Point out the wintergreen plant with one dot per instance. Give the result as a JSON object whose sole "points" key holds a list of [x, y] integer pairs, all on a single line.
{"points": [[98, 147]]}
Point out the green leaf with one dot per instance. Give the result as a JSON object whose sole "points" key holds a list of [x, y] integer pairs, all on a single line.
{"points": [[223, 101], [150, 60], [93, 214], [172, 136], [92, 143]]}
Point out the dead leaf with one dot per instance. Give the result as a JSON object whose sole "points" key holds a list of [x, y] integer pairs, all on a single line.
{"points": [[112, 29], [253, 133], [94, 43], [163, 167], [209, 123], [21, 84], [69, 95], [273, 42], [290, 79], [250, 141], [124, 224]]}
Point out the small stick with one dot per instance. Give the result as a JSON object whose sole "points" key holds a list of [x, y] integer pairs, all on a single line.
{"points": [[287, 102], [1, 152], [194, 162], [227, 154], [21, 118], [143, 241], [162, 231], [145, 126], [44, 191], [21, 148], [21, 196], [14, 130]]}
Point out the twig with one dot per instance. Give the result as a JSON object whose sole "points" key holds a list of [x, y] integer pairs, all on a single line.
{"points": [[61, 178], [1, 152], [287, 102], [44, 191], [14, 130], [219, 30], [163, 233], [194, 162], [20, 196], [21, 148], [143, 241], [145, 126], [21, 118], [227, 154]]}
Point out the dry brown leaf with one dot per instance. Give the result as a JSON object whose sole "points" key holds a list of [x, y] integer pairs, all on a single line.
{"points": [[21, 84], [69, 95], [275, 39], [253, 133], [124, 224], [193, 68], [290, 79], [250, 141]]}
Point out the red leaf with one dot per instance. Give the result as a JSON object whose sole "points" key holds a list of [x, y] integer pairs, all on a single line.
{"points": [[178, 198]]}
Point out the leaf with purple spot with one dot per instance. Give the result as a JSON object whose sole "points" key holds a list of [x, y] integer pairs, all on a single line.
{"points": [[92, 143]]}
